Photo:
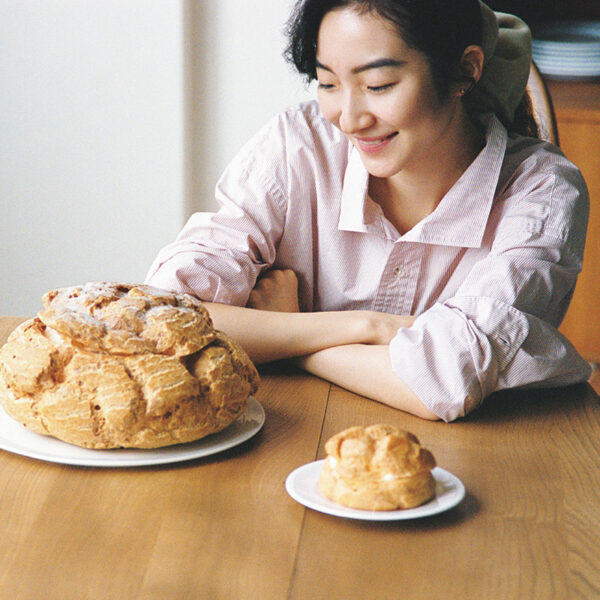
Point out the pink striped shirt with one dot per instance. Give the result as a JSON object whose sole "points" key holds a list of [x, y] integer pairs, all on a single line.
{"points": [[489, 273]]}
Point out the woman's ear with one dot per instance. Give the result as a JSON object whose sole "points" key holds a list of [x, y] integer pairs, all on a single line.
{"points": [[471, 68]]}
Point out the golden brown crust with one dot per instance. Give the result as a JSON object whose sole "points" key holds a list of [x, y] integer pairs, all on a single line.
{"points": [[115, 365], [227, 375], [125, 319], [380, 467]]}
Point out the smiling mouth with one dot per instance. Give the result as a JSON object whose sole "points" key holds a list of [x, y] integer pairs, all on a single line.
{"points": [[371, 145]]}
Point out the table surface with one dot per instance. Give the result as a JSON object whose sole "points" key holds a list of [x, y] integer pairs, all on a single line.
{"points": [[223, 527]]}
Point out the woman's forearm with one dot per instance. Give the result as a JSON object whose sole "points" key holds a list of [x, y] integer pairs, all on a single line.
{"points": [[365, 370], [269, 335], [349, 348], [272, 335]]}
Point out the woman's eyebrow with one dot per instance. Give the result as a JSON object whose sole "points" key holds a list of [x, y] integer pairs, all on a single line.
{"points": [[374, 64]]}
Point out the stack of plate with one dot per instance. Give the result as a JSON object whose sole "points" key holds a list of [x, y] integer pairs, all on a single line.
{"points": [[568, 50]]}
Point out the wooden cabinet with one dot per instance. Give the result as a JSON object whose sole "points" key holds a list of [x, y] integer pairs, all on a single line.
{"points": [[577, 108]]}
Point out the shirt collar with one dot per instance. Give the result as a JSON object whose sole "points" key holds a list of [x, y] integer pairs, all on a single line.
{"points": [[460, 218], [355, 192]]}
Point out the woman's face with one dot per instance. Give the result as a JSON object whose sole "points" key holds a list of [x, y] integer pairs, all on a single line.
{"points": [[380, 94]]}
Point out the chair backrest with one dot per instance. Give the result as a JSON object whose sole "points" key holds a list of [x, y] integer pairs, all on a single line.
{"points": [[542, 108]]}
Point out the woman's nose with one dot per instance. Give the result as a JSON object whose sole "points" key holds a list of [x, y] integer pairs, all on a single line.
{"points": [[354, 114]]}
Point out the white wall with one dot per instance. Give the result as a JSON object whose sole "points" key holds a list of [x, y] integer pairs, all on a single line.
{"points": [[116, 118], [239, 81]]}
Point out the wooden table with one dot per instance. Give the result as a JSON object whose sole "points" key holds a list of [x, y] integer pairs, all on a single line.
{"points": [[224, 527]]}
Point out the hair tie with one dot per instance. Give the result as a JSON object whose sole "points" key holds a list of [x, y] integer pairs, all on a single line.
{"points": [[506, 43]]}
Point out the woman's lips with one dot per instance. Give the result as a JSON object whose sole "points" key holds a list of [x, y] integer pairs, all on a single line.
{"points": [[372, 145]]}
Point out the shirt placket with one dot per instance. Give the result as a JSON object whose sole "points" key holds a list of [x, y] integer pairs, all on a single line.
{"points": [[398, 283]]}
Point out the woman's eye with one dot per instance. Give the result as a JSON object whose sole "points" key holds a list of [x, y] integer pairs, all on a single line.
{"points": [[325, 86], [380, 88]]}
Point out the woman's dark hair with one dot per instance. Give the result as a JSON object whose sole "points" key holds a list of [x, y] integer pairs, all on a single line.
{"points": [[441, 29]]}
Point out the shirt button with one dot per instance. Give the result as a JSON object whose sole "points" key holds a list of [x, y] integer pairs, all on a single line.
{"points": [[399, 272]]}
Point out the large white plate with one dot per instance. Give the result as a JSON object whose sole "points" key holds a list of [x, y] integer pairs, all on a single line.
{"points": [[19, 440], [302, 485]]}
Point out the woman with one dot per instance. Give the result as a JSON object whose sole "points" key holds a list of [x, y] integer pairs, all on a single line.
{"points": [[394, 237]]}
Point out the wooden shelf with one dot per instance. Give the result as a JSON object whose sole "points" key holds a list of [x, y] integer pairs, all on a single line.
{"points": [[577, 108], [575, 100]]}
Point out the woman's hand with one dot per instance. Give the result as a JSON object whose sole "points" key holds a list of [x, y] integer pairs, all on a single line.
{"points": [[276, 290]]}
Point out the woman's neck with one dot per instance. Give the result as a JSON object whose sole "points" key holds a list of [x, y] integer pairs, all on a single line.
{"points": [[414, 193]]}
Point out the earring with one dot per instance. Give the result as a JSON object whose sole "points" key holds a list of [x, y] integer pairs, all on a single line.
{"points": [[465, 90]]}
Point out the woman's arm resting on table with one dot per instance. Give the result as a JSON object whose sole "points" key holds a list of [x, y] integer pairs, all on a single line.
{"points": [[349, 348], [271, 326], [268, 335], [365, 370]]}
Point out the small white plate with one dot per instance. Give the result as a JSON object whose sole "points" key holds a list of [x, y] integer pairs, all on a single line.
{"points": [[302, 485], [19, 440]]}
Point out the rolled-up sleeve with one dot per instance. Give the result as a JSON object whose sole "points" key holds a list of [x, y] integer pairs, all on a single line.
{"points": [[457, 354], [218, 256], [500, 328]]}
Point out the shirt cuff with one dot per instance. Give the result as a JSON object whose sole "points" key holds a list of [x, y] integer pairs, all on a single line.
{"points": [[449, 361]]}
